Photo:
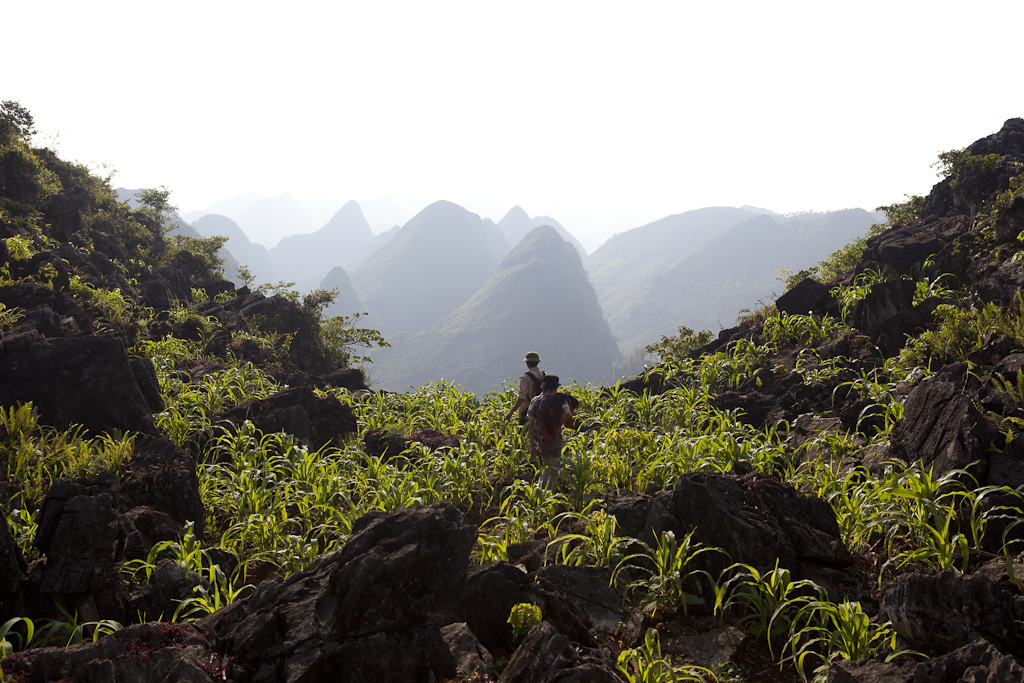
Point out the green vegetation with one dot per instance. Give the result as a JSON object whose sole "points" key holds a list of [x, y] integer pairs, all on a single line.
{"points": [[679, 346], [276, 504], [523, 617], [958, 164]]}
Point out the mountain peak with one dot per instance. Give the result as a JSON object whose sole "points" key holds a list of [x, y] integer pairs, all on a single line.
{"points": [[431, 267], [515, 224]]}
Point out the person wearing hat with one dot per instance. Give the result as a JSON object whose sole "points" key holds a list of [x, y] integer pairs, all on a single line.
{"points": [[548, 413], [529, 386]]}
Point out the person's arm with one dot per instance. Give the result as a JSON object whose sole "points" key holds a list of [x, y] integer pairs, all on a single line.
{"points": [[521, 401], [567, 420]]}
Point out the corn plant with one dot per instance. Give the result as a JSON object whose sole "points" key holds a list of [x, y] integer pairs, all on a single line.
{"points": [[523, 617], [645, 664], [801, 329], [769, 602], [673, 584], [599, 546], [222, 592], [825, 632], [71, 631]]}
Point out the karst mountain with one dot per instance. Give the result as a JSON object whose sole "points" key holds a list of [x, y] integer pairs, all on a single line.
{"points": [[517, 223], [307, 258], [254, 256], [539, 299], [433, 265]]}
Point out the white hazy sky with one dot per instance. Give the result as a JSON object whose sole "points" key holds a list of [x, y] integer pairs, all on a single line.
{"points": [[602, 115]]}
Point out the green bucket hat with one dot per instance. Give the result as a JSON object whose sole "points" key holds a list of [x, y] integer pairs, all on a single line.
{"points": [[532, 357]]}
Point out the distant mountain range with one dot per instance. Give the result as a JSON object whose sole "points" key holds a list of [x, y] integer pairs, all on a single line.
{"points": [[538, 299], [347, 301], [254, 256], [625, 266], [444, 286]]}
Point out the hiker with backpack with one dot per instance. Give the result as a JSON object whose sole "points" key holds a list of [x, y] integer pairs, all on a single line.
{"points": [[529, 386], [548, 414]]}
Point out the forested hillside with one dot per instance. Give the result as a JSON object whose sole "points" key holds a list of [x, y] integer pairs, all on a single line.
{"points": [[198, 486]]}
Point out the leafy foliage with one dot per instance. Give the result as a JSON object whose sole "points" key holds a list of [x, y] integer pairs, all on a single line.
{"points": [[681, 345], [197, 256], [957, 164], [523, 617]]}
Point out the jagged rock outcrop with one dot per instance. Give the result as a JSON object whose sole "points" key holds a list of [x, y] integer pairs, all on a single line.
{"points": [[82, 534], [28, 296], [755, 519], [872, 671], [494, 589], [977, 662], [371, 611], [942, 428], [941, 612], [161, 476], [546, 655], [471, 658], [74, 380], [808, 297], [142, 653], [313, 419]]}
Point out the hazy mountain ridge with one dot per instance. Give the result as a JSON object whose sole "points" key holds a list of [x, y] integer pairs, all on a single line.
{"points": [[516, 223], [307, 258], [347, 302], [734, 270], [539, 299], [624, 266], [254, 256], [433, 265]]}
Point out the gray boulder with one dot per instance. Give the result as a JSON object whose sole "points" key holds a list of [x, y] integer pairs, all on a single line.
{"points": [[313, 419], [162, 476], [755, 519], [942, 428], [976, 662], [546, 655], [76, 380], [942, 612], [371, 611]]}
